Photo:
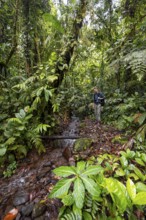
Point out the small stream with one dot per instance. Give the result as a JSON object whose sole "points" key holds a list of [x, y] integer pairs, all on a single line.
{"points": [[33, 180], [72, 130]]}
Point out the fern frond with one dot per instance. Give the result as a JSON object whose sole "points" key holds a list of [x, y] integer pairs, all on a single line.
{"points": [[42, 127], [37, 141], [21, 149], [91, 206], [10, 141], [14, 120], [70, 216], [52, 78], [36, 102], [21, 86]]}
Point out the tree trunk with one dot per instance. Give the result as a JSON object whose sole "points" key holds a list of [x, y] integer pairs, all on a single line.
{"points": [[65, 57], [27, 43], [14, 40]]}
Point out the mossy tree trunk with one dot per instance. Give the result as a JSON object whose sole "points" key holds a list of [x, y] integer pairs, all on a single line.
{"points": [[65, 57]]}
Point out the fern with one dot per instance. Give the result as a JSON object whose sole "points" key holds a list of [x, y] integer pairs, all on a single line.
{"points": [[136, 61], [36, 102], [20, 149], [14, 120], [71, 216], [21, 86], [42, 127], [91, 206], [10, 141], [37, 141]]}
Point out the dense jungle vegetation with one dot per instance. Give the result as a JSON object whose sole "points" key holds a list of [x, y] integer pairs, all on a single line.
{"points": [[52, 54]]}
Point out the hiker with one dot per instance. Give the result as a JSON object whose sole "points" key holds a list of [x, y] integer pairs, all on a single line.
{"points": [[98, 103]]}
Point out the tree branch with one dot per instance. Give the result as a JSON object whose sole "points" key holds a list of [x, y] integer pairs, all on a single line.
{"points": [[65, 57]]}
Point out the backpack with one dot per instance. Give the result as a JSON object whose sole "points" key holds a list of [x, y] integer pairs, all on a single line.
{"points": [[102, 99]]}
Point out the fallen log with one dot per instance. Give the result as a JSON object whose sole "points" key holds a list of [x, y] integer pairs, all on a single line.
{"points": [[54, 137]]}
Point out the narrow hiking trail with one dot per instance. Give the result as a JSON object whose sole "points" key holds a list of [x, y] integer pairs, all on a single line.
{"points": [[28, 188]]}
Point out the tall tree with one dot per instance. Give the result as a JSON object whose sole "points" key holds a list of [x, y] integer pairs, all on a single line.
{"points": [[65, 57]]}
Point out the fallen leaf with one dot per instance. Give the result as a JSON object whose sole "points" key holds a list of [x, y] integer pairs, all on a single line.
{"points": [[11, 214]]}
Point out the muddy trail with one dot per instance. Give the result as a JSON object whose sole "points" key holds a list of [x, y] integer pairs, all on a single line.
{"points": [[27, 190]]}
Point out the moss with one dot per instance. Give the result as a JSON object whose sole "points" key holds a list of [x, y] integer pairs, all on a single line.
{"points": [[82, 144]]}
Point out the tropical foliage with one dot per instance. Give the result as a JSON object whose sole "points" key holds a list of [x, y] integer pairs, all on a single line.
{"points": [[94, 189], [52, 53]]}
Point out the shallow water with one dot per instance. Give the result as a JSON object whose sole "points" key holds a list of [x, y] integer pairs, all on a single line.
{"points": [[34, 176]]}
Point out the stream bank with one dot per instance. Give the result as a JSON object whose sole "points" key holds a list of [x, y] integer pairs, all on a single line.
{"points": [[28, 188]]}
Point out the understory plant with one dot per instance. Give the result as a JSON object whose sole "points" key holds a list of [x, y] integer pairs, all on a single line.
{"points": [[121, 109], [104, 188], [31, 117]]}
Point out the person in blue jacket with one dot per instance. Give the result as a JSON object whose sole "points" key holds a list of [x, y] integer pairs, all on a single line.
{"points": [[98, 103]]}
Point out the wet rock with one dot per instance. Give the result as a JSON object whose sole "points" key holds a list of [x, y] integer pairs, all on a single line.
{"points": [[27, 210], [43, 173], [27, 218], [36, 200], [82, 144], [43, 192], [38, 210], [71, 161], [18, 216], [40, 218], [20, 198], [67, 153], [47, 164]]}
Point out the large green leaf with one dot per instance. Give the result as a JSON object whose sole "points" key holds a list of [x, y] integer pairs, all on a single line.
{"points": [[79, 193], [3, 151], [118, 193], [39, 91], [139, 161], [131, 188], [139, 173], [93, 170], [140, 187], [47, 94], [140, 198], [91, 186], [64, 171], [143, 156], [68, 200], [142, 118], [52, 78], [21, 114], [130, 154], [80, 166], [61, 188], [86, 216], [124, 161], [120, 172]]}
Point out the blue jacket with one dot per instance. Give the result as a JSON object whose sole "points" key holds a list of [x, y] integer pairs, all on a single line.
{"points": [[98, 98]]}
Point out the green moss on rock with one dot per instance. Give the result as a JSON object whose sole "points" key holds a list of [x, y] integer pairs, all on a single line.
{"points": [[82, 144]]}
